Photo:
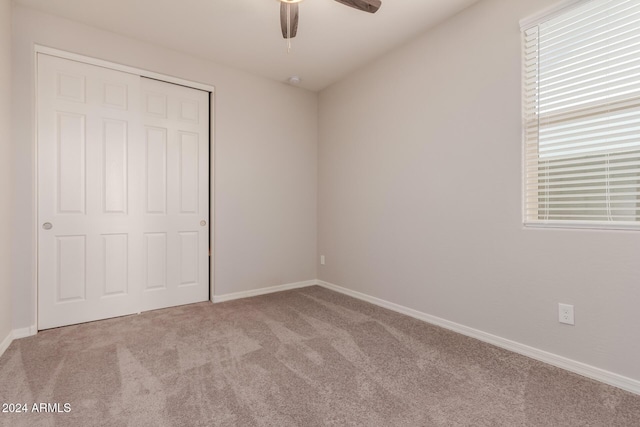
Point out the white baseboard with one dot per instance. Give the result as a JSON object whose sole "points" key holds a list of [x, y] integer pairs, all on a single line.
{"points": [[25, 332], [6, 342], [574, 366], [263, 291]]}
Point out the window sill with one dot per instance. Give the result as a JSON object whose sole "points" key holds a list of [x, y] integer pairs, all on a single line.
{"points": [[586, 225]]}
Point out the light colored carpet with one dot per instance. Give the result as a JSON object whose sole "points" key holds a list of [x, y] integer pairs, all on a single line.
{"points": [[308, 357]]}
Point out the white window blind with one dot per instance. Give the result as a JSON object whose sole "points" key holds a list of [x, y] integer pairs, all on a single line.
{"points": [[581, 114]]}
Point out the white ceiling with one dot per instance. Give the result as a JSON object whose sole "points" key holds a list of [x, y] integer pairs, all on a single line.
{"points": [[332, 39]]}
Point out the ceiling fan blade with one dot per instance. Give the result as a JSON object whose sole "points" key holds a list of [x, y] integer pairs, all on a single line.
{"points": [[370, 6], [293, 19]]}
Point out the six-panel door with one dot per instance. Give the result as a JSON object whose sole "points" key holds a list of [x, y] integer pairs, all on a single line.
{"points": [[176, 204]]}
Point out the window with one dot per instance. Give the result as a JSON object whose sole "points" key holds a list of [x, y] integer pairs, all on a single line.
{"points": [[581, 116]]}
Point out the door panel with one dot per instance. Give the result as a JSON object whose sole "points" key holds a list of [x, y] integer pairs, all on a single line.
{"points": [[115, 254], [156, 170], [70, 150], [188, 173], [115, 160], [71, 268]]}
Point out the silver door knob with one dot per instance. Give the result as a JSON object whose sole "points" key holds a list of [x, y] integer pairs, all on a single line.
{"points": [[47, 226], [203, 223]]}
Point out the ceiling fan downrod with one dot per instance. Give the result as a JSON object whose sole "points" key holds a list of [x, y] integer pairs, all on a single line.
{"points": [[288, 28], [289, 14]]}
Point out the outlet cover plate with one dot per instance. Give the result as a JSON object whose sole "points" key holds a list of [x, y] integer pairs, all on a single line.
{"points": [[565, 314]]}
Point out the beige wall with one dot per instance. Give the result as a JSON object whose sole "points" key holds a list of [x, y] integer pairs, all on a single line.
{"points": [[419, 186], [420, 199], [265, 159], [5, 169]]}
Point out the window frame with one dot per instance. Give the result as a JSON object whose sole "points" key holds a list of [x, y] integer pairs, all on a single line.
{"points": [[527, 23]]}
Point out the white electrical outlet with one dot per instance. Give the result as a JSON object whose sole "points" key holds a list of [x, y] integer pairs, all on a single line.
{"points": [[321, 259], [565, 314]]}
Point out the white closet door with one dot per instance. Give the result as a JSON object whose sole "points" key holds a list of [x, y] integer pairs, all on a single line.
{"points": [[123, 193], [88, 161], [176, 195]]}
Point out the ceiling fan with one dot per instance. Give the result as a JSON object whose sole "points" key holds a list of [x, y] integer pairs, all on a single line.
{"points": [[289, 13]]}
